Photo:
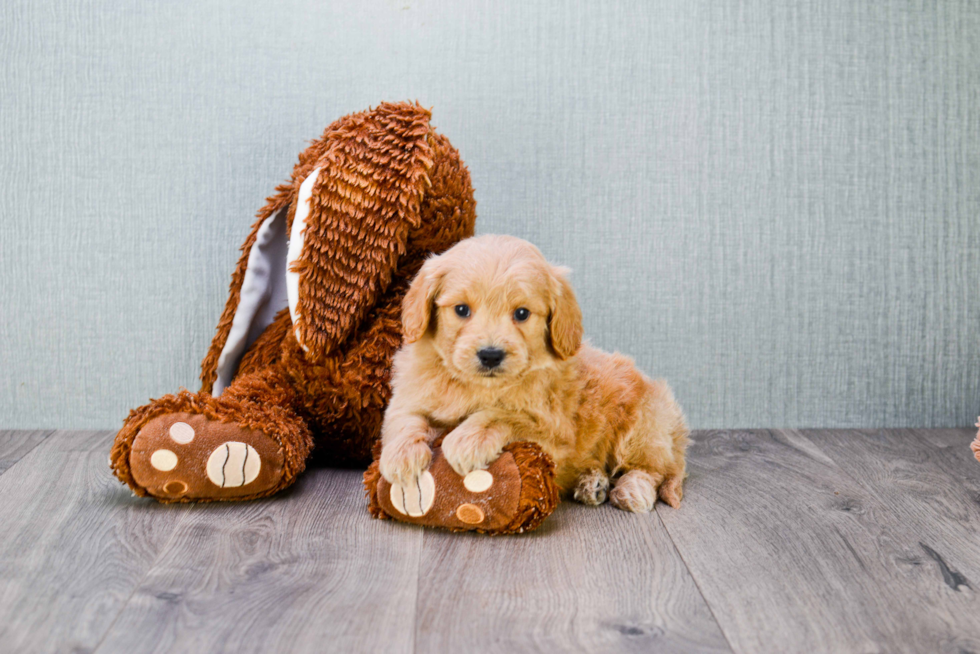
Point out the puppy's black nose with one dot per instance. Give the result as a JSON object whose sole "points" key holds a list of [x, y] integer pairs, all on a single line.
{"points": [[490, 357]]}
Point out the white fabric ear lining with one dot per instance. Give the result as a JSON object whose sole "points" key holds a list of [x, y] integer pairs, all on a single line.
{"points": [[268, 286], [296, 235], [263, 295]]}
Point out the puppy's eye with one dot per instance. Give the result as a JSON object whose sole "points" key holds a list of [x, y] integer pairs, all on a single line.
{"points": [[462, 310], [522, 314]]}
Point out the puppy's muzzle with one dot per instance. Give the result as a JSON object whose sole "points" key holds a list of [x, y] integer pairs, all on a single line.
{"points": [[490, 357]]}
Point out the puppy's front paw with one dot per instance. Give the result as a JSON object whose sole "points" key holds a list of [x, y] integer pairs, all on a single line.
{"points": [[467, 449], [402, 462]]}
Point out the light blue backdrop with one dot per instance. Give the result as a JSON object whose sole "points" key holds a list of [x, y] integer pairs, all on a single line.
{"points": [[775, 205]]}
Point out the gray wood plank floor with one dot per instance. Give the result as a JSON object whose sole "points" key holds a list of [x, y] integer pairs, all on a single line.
{"points": [[14, 446], [788, 541]]}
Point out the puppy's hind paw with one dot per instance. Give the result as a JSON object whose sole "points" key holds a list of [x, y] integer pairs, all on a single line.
{"points": [[672, 491], [592, 487], [636, 492]]}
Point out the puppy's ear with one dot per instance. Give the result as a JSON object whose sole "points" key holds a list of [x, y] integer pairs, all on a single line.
{"points": [[417, 305], [565, 322]]}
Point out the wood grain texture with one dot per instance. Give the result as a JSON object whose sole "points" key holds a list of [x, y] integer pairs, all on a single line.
{"points": [[787, 541], [927, 519], [74, 545], [950, 448], [795, 550], [590, 580], [305, 571], [14, 445]]}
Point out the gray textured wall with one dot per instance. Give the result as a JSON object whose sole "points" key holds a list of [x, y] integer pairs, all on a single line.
{"points": [[775, 205]]}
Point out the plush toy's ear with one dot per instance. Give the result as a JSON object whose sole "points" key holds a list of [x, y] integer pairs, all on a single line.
{"points": [[328, 240], [417, 305], [565, 321], [257, 294], [352, 218]]}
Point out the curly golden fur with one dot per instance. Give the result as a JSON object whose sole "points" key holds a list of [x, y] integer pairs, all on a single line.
{"points": [[494, 353]]}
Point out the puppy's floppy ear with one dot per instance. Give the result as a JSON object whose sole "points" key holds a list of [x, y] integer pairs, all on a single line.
{"points": [[565, 321], [417, 305]]}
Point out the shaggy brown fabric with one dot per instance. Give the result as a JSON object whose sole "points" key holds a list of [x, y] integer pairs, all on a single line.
{"points": [[391, 192], [267, 348], [522, 495]]}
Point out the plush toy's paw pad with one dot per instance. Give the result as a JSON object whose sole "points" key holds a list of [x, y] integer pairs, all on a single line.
{"points": [[416, 499], [478, 481], [592, 488], [233, 464], [471, 514], [184, 456]]}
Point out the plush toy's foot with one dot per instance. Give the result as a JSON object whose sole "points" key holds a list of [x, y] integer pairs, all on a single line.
{"points": [[513, 495], [182, 456], [193, 447]]}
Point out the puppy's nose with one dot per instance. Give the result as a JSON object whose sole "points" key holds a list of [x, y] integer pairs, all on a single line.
{"points": [[490, 357]]}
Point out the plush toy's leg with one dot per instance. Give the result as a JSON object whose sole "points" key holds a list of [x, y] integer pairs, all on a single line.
{"points": [[247, 443], [343, 394]]}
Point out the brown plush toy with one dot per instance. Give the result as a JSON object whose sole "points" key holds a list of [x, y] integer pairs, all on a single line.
{"points": [[513, 495], [303, 350]]}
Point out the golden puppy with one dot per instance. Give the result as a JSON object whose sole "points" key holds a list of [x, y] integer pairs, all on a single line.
{"points": [[493, 351]]}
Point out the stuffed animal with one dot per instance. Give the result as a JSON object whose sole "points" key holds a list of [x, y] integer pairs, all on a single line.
{"points": [[513, 495], [303, 349]]}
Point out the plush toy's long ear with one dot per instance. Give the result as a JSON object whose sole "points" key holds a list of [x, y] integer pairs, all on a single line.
{"points": [[359, 187], [258, 285], [352, 218], [565, 321], [257, 294], [417, 305]]}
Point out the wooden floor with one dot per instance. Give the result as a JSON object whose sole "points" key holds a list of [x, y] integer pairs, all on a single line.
{"points": [[787, 541]]}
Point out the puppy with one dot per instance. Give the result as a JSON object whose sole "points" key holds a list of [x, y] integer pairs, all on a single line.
{"points": [[493, 353]]}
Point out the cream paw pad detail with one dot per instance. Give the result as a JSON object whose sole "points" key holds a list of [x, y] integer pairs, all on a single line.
{"points": [[415, 499], [233, 464], [186, 457]]}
